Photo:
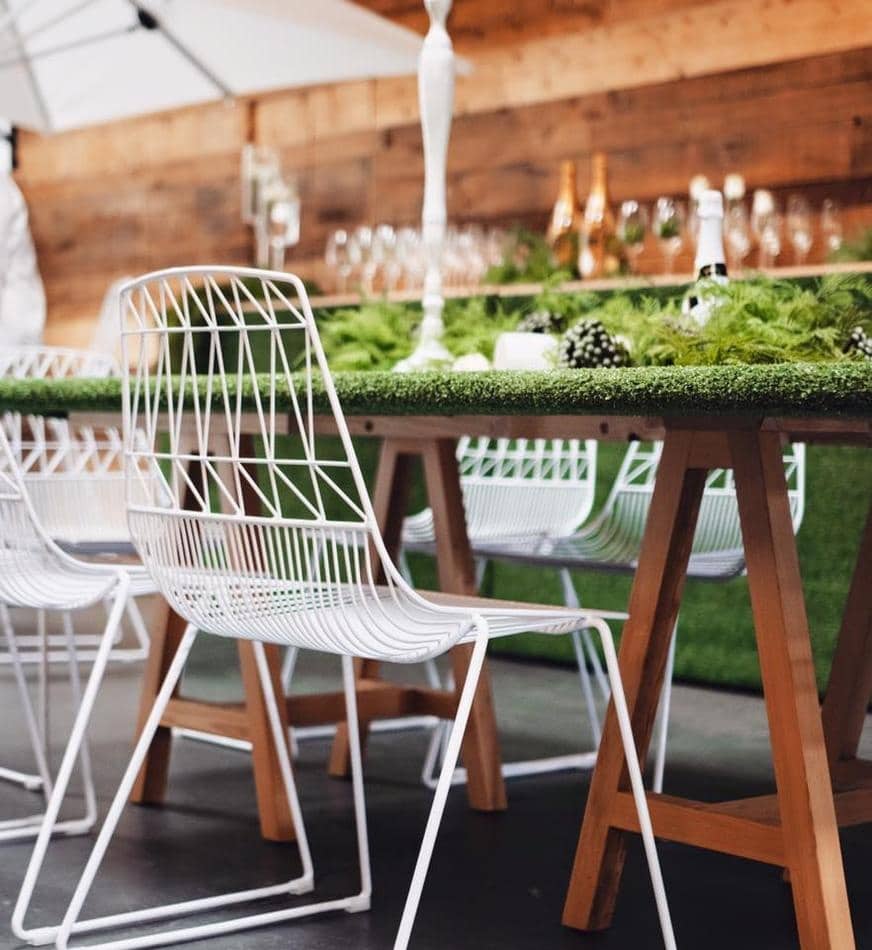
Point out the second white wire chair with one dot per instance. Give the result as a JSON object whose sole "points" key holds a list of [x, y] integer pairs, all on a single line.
{"points": [[35, 573], [519, 491], [305, 566]]}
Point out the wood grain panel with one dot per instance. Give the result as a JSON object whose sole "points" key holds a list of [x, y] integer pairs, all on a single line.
{"points": [[163, 190]]}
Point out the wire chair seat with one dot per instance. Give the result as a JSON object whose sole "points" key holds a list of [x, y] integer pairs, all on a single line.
{"points": [[613, 539], [33, 572], [516, 487], [219, 589]]}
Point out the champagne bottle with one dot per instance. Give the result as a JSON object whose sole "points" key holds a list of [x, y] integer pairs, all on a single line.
{"points": [[710, 263], [563, 228], [601, 251]]}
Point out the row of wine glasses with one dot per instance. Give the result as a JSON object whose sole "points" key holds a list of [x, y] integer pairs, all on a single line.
{"points": [[764, 226], [384, 258]]}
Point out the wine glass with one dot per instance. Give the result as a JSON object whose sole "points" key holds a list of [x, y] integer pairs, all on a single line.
{"points": [[360, 252], [385, 243], [668, 227], [737, 235], [410, 256], [259, 165], [831, 225], [766, 226], [632, 225], [338, 258], [279, 217], [799, 227]]}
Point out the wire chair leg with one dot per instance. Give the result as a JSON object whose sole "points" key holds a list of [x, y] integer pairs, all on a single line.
{"points": [[634, 771], [586, 691], [663, 723], [443, 786], [571, 599], [76, 690], [350, 687], [140, 633], [36, 743], [72, 925], [42, 636], [50, 824]]}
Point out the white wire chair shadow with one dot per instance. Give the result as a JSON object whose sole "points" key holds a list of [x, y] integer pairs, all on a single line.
{"points": [[308, 569], [519, 490], [611, 542], [36, 573]]}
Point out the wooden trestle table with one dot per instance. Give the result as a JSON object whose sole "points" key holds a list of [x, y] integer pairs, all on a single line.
{"points": [[820, 782]]}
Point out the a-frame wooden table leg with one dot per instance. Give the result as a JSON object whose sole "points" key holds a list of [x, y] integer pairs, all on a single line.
{"points": [[644, 647], [803, 833], [850, 685], [485, 786], [802, 776]]}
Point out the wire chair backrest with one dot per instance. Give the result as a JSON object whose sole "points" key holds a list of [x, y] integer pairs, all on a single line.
{"points": [[264, 536], [621, 524], [53, 362], [27, 556], [72, 473], [526, 487]]}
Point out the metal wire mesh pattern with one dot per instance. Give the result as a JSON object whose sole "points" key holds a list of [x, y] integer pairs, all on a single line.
{"points": [[262, 537], [613, 539], [517, 488]]}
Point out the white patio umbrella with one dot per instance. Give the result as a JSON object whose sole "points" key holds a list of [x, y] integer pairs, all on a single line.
{"points": [[69, 63]]}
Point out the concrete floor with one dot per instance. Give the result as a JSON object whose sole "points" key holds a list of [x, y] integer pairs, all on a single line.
{"points": [[497, 881]]}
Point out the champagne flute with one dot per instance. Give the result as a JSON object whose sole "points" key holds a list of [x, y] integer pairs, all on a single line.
{"points": [[831, 225], [338, 258], [737, 234], [669, 221], [281, 219], [766, 226], [632, 225], [799, 227]]}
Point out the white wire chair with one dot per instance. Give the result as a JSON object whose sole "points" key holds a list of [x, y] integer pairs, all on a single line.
{"points": [[36, 573], [76, 486], [611, 542], [305, 566], [518, 491]]}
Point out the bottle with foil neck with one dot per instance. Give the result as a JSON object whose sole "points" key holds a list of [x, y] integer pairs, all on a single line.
{"points": [[565, 221], [601, 251], [710, 263]]}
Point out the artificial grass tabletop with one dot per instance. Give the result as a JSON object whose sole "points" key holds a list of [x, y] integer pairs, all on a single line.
{"points": [[789, 389]]}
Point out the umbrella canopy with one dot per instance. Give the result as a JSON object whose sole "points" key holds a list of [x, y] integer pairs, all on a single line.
{"points": [[69, 63]]}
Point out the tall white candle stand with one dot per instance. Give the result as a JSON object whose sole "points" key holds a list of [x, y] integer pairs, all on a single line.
{"points": [[436, 100]]}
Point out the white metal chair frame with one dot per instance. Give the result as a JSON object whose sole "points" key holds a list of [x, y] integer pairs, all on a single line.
{"points": [[36, 573], [296, 573], [520, 490], [76, 488]]}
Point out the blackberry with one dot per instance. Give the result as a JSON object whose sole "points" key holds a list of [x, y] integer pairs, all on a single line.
{"points": [[542, 321], [588, 345], [859, 343]]}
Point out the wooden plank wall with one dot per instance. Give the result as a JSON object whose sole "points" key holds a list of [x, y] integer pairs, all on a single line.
{"points": [[549, 84]]}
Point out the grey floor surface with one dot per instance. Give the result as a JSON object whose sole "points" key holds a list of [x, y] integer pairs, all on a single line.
{"points": [[497, 881]]}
